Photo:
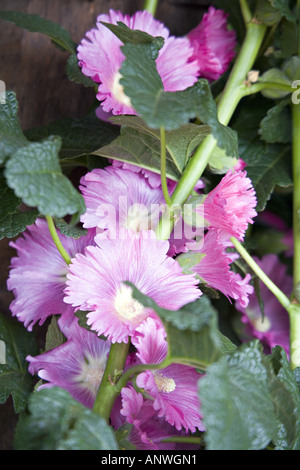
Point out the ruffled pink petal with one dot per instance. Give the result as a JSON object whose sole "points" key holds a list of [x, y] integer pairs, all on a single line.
{"points": [[101, 58], [95, 280], [230, 206], [213, 44], [38, 273]]}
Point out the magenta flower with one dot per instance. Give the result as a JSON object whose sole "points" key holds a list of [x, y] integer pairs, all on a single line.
{"points": [[173, 388], [121, 199], [148, 429], [118, 198], [213, 44], [96, 283], [273, 329], [38, 273], [77, 365], [230, 205], [101, 58], [214, 269]]}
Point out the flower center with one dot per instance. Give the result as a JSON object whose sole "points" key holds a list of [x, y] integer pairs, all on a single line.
{"points": [[118, 91], [164, 384], [138, 218], [91, 374], [127, 307], [262, 324]]}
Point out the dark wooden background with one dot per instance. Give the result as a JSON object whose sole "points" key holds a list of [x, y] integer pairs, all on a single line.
{"points": [[34, 68]]}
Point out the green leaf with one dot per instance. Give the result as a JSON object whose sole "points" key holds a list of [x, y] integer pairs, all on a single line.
{"points": [[139, 145], [75, 74], [14, 377], [192, 333], [11, 134], [36, 24], [69, 230], [236, 402], [266, 13], [268, 165], [283, 7], [12, 220], [276, 126], [275, 75], [286, 397], [34, 173], [158, 108], [54, 336], [57, 422], [80, 136]]}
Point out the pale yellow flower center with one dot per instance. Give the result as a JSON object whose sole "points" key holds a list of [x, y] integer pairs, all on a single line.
{"points": [[91, 374], [126, 306], [118, 91], [164, 384], [262, 324], [138, 218]]}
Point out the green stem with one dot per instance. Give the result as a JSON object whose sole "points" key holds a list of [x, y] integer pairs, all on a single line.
{"points": [[281, 297], [294, 336], [151, 5], [108, 390], [183, 439], [247, 15], [295, 310], [226, 107], [163, 165], [260, 86], [134, 370], [296, 193], [56, 239]]}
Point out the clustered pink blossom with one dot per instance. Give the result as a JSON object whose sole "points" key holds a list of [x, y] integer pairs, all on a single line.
{"points": [[205, 52], [123, 207]]}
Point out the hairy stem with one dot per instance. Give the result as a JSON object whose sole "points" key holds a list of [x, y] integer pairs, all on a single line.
{"points": [[108, 390]]}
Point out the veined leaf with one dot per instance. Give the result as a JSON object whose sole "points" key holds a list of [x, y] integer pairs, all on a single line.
{"points": [[80, 136], [15, 379], [139, 145], [268, 165], [12, 220], [66, 425], [11, 134], [34, 173], [37, 24], [236, 402], [192, 333]]}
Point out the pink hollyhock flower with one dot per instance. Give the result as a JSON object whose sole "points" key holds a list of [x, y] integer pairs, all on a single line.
{"points": [[101, 58], [148, 429], [273, 329], [214, 269], [119, 199], [77, 365], [213, 44], [230, 205], [38, 273], [96, 282], [174, 388]]}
